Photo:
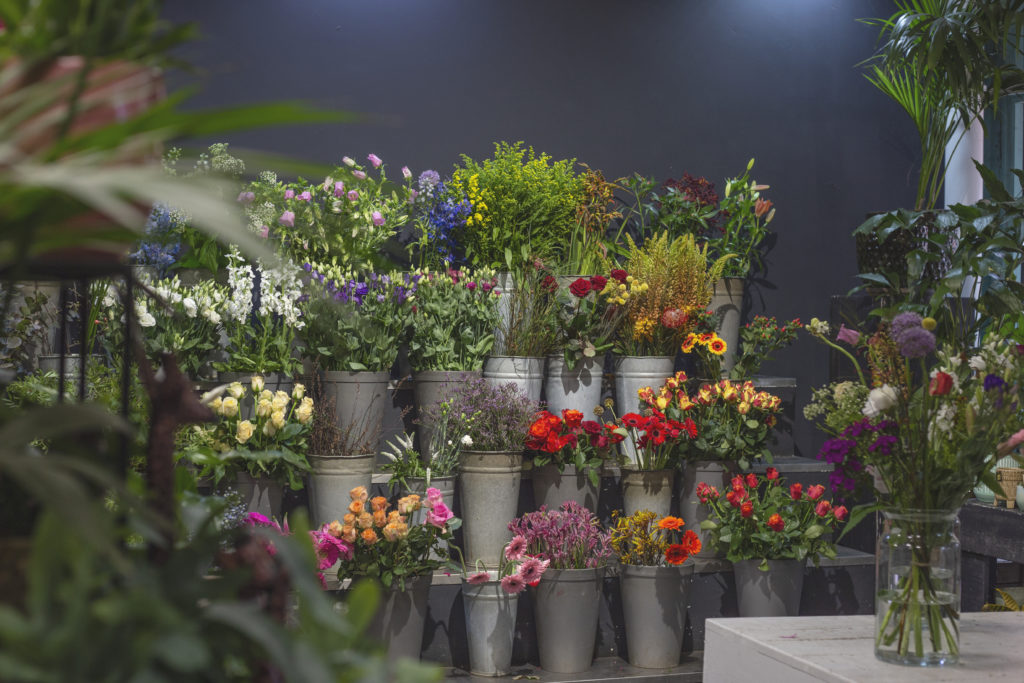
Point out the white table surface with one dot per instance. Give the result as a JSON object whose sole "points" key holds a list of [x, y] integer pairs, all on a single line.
{"points": [[841, 650]]}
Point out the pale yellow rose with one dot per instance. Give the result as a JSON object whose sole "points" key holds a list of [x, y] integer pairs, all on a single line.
{"points": [[264, 408], [299, 391], [304, 414], [279, 403], [229, 407], [282, 396], [244, 431], [266, 395], [269, 429], [236, 390], [277, 419], [215, 405], [257, 384]]}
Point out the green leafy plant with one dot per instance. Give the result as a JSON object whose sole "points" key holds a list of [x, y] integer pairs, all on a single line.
{"points": [[759, 339], [524, 326], [587, 314], [760, 519], [595, 234], [742, 218]]}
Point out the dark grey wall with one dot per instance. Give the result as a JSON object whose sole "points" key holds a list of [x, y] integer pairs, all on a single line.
{"points": [[655, 86]]}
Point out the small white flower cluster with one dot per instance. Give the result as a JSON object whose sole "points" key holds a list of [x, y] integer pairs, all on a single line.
{"points": [[261, 215], [280, 289], [240, 280]]}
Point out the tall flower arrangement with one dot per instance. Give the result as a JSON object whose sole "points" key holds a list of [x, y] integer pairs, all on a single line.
{"points": [[442, 210], [261, 317], [645, 540], [587, 313], [742, 219]]}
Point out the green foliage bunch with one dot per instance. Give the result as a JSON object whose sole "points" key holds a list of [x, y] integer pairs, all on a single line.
{"points": [[524, 206]]}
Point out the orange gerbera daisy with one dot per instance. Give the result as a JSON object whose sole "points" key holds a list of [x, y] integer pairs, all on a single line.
{"points": [[676, 554], [691, 542], [671, 523]]}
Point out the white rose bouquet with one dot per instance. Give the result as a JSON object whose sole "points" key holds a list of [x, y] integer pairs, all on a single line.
{"points": [[258, 430]]}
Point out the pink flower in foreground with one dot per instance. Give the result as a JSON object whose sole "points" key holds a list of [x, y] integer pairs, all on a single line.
{"points": [[479, 577], [439, 515], [359, 174], [1011, 443], [352, 195], [289, 194], [287, 219], [306, 196], [433, 496], [515, 548], [377, 218], [257, 519], [339, 188], [848, 335], [264, 231], [532, 569], [513, 584], [374, 159]]}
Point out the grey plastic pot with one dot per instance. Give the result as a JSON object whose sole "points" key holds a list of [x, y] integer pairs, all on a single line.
{"points": [[490, 626], [398, 622], [552, 487], [575, 389], [526, 372], [774, 593], [727, 302], [489, 494], [713, 473], [654, 602], [262, 494], [359, 402], [566, 606], [633, 373], [431, 387], [331, 480], [647, 490]]}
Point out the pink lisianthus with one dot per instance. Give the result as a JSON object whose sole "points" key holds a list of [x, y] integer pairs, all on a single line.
{"points": [[378, 218], [406, 173], [289, 194], [413, 194], [374, 160], [287, 219], [348, 161], [1011, 443], [479, 577], [352, 195], [339, 188], [306, 196], [359, 174], [246, 197], [439, 515], [264, 231]]}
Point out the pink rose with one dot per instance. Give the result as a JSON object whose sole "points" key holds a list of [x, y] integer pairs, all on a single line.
{"points": [[433, 496], [439, 515]]}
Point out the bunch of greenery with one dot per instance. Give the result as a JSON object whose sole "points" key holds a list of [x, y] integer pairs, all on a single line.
{"points": [[454, 321], [592, 240], [524, 207], [404, 461], [671, 279], [760, 519], [742, 219], [836, 406], [759, 339], [524, 328], [25, 330]]}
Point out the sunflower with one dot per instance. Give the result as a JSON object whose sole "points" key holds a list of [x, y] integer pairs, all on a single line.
{"points": [[716, 345]]}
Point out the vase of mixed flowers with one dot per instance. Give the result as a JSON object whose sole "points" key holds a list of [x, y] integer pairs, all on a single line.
{"points": [[410, 474], [768, 531], [933, 424], [568, 601], [655, 580], [373, 542], [568, 454], [490, 600], [490, 424], [647, 481], [262, 453]]}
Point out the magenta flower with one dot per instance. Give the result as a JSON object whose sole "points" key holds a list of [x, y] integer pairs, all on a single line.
{"points": [[513, 584], [471, 285], [532, 569], [359, 174], [287, 219], [378, 219], [434, 496], [257, 519], [374, 160], [246, 197], [848, 335], [289, 194], [515, 548], [339, 188], [348, 161], [406, 173], [439, 515], [352, 195], [479, 577], [305, 196]]}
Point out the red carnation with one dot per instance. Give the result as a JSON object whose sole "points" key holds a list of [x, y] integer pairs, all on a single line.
{"points": [[591, 426], [619, 274], [580, 287], [597, 282]]}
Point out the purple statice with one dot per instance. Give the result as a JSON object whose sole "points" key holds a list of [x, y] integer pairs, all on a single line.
{"points": [[916, 342], [569, 538]]}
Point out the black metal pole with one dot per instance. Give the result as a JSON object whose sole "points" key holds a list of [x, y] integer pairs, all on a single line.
{"points": [[62, 303], [83, 352]]}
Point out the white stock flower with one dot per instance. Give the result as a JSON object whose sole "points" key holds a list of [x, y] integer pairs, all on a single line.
{"points": [[879, 400], [467, 440]]}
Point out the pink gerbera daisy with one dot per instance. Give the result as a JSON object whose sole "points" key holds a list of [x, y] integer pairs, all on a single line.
{"points": [[532, 569], [479, 577], [513, 584], [515, 548]]}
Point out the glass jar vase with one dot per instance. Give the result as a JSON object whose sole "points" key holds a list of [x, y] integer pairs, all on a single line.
{"points": [[917, 574]]}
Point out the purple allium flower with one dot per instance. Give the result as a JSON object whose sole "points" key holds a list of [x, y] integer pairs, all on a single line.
{"points": [[428, 180], [359, 174], [916, 342], [374, 160], [406, 173], [287, 219], [339, 188], [353, 195], [903, 322], [348, 161], [848, 335], [246, 197], [377, 218], [289, 194]]}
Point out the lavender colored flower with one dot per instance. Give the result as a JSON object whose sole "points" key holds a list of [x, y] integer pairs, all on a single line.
{"points": [[359, 174], [428, 180], [305, 196], [264, 231], [339, 188], [287, 219], [916, 342], [289, 194], [353, 195], [903, 322], [569, 538], [246, 197], [377, 218], [412, 196], [374, 160]]}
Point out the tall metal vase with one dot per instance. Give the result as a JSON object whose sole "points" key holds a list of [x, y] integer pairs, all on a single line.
{"points": [[567, 603], [490, 626], [489, 493], [633, 373]]}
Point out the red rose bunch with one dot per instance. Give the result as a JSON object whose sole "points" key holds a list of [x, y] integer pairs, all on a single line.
{"points": [[570, 440]]}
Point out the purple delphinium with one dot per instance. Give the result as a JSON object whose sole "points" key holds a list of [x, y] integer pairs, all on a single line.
{"points": [[444, 220], [570, 537], [157, 248]]}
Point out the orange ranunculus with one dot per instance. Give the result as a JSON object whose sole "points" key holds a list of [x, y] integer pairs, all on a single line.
{"points": [[539, 429], [369, 536], [359, 493], [356, 507], [671, 523], [776, 523], [380, 518], [573, 418], [379, 503], [395, 516], [676, 554]]}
